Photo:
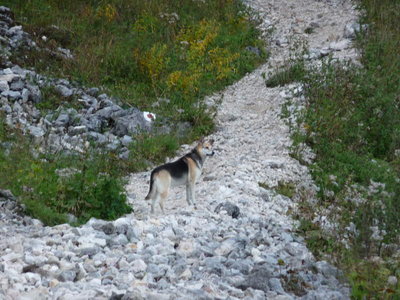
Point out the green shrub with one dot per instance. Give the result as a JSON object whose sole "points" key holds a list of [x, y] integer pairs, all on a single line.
{"points": [[352, 129], [81, 186], [294, 72], [287, 189], [52, 186], [139, 51], [352, 123], [89, 194], [148, 148], [143, 50], [47, 215]]}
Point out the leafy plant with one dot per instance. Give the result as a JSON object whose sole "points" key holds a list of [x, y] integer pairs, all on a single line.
{"points": [[148, 148], [295, 71], [287, 189], [53, 185], [139, 51], [352, 123], [144, 50]]}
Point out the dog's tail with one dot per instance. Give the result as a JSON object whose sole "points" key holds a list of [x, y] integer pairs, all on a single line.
{"points": [[151, 192]]}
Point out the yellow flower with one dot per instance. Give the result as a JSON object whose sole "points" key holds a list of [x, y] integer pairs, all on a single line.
{"points": [[109, 12]]}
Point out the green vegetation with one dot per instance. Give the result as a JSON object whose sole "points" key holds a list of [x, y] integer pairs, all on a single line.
{"points": [[264, 185], [51, 186], [145, 50], [287, 189], [352, 123], [294, 71], [52, 100], [140, 52], [149, 148]]}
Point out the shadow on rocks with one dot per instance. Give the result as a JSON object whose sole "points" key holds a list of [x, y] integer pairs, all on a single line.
{"points": [[257, 279], [231, 209]]}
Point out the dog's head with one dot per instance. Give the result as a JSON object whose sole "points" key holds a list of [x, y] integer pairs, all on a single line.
{"points": [[206, 147]]}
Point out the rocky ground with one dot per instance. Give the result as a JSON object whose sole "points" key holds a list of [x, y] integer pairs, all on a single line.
{"points": [[83, 114], [240, 243]]}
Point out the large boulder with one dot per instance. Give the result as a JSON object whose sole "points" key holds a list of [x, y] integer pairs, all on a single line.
{"points": [[130, 122]]}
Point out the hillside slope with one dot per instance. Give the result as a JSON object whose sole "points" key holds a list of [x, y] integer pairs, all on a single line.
{"points": [[204, 253]]}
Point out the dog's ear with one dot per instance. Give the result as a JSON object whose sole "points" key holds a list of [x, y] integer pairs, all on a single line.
{"points": [[201, 140]]}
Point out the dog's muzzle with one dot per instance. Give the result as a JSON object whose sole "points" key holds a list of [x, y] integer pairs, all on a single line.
{"points": [[211, 154]]}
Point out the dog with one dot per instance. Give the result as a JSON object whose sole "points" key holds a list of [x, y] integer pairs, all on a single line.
{"points": [[186, 170]]}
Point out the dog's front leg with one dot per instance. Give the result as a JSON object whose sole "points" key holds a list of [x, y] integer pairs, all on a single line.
{"points": [[188, 194]]}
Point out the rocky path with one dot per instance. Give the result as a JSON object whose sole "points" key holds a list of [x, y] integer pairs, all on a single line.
{"points": [[239, 243]]}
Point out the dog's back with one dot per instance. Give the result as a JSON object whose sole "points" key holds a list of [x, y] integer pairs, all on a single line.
{"points": [[178, 171], [185, 170]]}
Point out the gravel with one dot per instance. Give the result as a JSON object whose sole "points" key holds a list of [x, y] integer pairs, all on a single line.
{"points": [[240, 242]]}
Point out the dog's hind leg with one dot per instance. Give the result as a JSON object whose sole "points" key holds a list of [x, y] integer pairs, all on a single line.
{"points": [[163, 197], [156, 198], [193, 195], [153, 201], [188, 194], [161, 185]]}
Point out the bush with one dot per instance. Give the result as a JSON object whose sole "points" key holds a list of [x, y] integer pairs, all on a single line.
{"points": [[52, 186], [352, 122], [139, 51], [352, 128], [148, 148], [294, 72], [143, 50], [89, 194]]}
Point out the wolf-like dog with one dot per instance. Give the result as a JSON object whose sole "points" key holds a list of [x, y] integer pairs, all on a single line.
{"points": [[186, 170]]}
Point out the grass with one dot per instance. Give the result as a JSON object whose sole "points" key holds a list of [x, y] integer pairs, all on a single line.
{"points": [[139, 52], [294, 71], [352, 123], [145, 50], [52, 186], [52, 100], [287, 189], [146, 148]]}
